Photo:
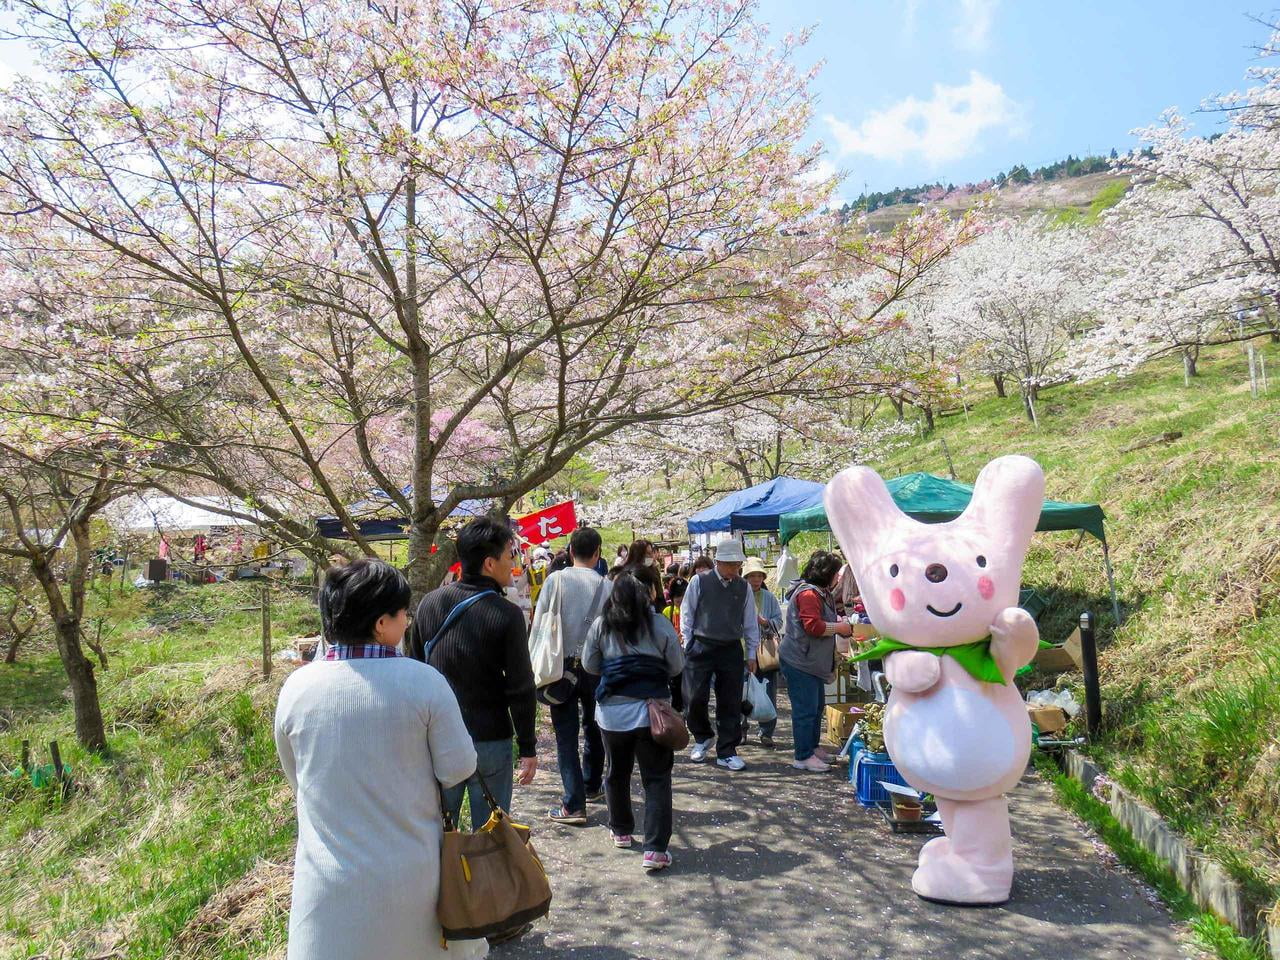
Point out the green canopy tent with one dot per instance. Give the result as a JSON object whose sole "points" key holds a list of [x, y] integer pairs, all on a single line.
{"points": [[931, 499]]}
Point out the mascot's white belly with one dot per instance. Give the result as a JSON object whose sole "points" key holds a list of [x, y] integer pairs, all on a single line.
{"points": [[952, 738]]}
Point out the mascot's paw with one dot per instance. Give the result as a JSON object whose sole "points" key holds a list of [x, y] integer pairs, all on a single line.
{"points": [[945, 878], [912, 671]]}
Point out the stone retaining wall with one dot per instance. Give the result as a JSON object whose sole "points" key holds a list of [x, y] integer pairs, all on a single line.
{"points": [[1203, 878]]}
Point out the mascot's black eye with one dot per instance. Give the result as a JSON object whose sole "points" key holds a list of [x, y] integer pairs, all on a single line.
{"points": [[982, 561], [893, 569]]}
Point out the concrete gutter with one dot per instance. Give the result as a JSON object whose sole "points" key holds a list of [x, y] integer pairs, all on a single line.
{"points": [[1208, 883]]}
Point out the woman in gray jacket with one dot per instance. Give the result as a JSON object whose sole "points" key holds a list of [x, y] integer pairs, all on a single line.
{"points": [[808, 654], [635, 651]]}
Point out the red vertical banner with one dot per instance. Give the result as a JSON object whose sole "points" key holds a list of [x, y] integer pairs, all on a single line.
{"points": [[555, 521]]}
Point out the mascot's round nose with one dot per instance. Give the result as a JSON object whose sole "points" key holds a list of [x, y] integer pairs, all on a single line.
{"points": [[935, 573]]}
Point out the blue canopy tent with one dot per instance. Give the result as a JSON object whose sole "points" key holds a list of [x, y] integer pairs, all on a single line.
{"points": [[786, 496], [374, 527], [721, 517]]}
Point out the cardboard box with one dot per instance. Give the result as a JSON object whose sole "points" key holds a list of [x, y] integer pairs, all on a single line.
{"points": [[1051, 720], [839, 722], [1053, 660]]}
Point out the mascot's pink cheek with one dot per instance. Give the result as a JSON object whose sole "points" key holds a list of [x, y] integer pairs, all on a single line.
{"points": [[986, 588], [897, 599]]}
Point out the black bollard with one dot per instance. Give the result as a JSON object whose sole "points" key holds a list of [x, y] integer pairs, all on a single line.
{"points": [[1092, 693]]}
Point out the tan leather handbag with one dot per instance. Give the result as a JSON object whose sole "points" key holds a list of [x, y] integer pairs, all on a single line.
{"points": [[767, 652], [491, 882]]}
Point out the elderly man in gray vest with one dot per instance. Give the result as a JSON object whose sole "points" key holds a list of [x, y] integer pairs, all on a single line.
{"points": [[720, 633]]}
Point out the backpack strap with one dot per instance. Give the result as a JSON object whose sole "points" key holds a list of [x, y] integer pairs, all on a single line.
{"points": [[454, 616]]}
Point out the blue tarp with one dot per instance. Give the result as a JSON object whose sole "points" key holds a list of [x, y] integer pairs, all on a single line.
{"points": [[718, 518], [787, 495], [393, 526]]}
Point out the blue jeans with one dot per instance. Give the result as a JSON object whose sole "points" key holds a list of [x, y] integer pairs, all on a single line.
{"points": [[806, 709], [581, 774], [494, 763]]}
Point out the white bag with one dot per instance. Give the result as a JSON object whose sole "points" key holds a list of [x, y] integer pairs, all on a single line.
{"points": [[756, 695], [546, 642]]}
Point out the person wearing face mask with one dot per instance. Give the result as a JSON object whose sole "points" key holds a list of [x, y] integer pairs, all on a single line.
{"points": [[642, 553]]}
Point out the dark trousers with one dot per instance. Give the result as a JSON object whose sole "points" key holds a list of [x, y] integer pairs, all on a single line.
{"points": [[770, 681], [624, 749], [581, 773], [723, 667]]}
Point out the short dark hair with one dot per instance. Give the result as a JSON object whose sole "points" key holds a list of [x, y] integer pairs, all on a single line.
{"points": [[482, 538], [821, 569], [584, 543], [702, 562], [353, 597]]}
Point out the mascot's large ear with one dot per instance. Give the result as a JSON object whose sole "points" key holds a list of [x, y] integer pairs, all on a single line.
{"points": [[860, 511], [1007, 499]]}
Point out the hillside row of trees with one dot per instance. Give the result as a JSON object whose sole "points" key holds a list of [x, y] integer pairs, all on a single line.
{"points": [[1018, 174]]}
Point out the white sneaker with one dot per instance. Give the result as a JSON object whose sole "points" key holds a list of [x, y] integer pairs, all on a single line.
{"points": [[732, 763], [813, 764], [699, 751]]}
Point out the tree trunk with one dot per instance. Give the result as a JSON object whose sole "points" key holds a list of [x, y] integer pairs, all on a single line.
{"points": [[84, 686], [1029, 405], [423, 568], [1189, 360], [998, 380], [11, 651], [928, 418], [899, 406]]}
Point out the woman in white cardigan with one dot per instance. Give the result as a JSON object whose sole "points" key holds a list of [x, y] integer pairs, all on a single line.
{"points": [[364, 735]]}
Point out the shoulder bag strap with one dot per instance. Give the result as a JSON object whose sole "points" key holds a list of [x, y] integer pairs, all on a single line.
{"points": [[454, 616], [488, 796]]}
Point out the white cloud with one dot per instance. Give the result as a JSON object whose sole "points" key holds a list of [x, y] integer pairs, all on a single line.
{"points": [[944, 128], [821, 171], [974, 27]]}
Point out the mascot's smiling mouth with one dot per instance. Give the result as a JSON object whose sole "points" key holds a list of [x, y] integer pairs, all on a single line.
{"points": [[938, 613]]}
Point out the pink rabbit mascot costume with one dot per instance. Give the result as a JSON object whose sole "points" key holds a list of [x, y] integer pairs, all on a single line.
{"points": [[955, 725]]}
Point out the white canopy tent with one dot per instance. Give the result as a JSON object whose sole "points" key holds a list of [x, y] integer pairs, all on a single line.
{"points": [[158, 513]]}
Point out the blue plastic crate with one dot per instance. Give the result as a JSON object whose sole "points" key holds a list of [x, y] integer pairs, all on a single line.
{"points": [[866, 770]]}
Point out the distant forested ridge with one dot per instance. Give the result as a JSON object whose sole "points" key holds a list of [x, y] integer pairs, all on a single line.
{"points": [[1018, 174]]}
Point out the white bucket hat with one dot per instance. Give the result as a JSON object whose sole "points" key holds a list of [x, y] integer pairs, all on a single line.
{"points": [[729, 550]]}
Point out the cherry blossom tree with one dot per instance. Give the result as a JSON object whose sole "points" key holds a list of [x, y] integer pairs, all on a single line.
{"points": [[1019, 294], [293, 224], [659, 474]]}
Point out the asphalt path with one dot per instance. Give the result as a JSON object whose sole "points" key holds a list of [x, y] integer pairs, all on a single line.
{"points": [[775, 863]]}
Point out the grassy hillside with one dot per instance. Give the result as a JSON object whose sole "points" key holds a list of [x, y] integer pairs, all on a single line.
{"points": [[1015, 200], [1191, 679]]}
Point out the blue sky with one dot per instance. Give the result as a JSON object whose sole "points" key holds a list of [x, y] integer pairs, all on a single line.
{"points": [[915, 91]]}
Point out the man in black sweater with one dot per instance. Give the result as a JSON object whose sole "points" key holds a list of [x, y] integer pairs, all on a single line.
{"points": [[484, 654]]}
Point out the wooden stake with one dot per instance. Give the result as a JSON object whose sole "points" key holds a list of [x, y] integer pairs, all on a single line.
{"points": [[266, 630]]}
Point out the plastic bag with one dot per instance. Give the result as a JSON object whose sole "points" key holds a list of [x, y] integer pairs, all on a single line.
{"points": [[756, 695], [1055, 698]]}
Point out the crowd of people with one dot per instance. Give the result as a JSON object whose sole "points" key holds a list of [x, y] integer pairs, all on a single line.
{"points": [[401, 722]]}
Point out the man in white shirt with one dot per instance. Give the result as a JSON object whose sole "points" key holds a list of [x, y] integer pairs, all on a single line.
{"points": [[717, 620], [579, 592]]}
